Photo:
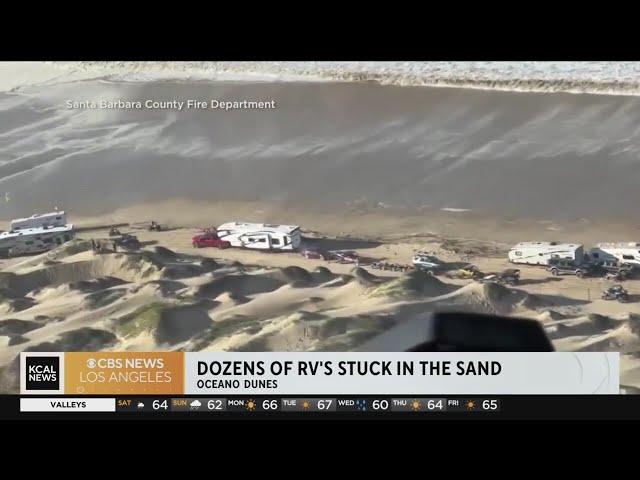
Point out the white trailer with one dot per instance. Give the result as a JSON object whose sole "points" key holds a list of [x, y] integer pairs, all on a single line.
{"points": [[34, 240], [260, 236], [40, 220], [539, 253], [624, 252]]}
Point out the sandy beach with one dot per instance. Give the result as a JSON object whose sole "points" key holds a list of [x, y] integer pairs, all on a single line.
{"points": [[171, 296]]}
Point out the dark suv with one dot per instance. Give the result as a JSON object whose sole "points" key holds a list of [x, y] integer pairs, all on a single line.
{"points": [[567, 266]]}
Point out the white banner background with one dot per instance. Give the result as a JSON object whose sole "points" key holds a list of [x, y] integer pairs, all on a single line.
{"points": [[521, 373]]}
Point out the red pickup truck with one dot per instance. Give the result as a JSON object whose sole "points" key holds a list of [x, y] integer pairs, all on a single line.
{"points": [[209, 239]]}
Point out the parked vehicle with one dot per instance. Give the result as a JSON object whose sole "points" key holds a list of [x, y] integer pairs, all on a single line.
{"points": [[565, 266], [615, 270], [28, 241], [626, 252], [394, 267], [261, 236], [426, 262], [36, 234], [128, 241], [508, 277], [542, 253], [313, 253], [209, 239], [40, 220], [491, 277], [344, 256], [616, 292], [511, 276]]}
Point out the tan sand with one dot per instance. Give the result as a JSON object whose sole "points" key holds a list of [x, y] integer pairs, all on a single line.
{"points": [[170, 297]]}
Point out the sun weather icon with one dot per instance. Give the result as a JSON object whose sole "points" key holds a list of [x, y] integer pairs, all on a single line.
{"points": [[416, 405], [251, 405]]}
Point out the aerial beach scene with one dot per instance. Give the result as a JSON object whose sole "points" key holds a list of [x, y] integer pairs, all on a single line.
{"points": [[310, 206]]}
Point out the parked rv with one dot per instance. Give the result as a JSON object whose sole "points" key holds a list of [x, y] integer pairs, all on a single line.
{"points": [[40, 220], [33, 240], [261, 236], [623, 252], [540, 253]]}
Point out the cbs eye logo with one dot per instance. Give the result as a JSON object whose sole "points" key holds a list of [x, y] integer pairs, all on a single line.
{"points": [[91, 363]]}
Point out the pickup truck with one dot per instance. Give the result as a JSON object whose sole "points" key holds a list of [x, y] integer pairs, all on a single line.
{"points": [[209, 239], [614, 270]]}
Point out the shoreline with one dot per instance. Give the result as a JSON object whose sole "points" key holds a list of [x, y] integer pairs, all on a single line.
{"points": [[371, 224], [404, 74]]}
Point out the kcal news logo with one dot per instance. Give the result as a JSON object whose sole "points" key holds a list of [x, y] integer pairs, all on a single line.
{"points": [[42, 373]]}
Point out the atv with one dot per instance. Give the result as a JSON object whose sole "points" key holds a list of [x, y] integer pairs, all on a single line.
{"points": [[469, 272], [510, 276], [617, 292], [155, 227]]}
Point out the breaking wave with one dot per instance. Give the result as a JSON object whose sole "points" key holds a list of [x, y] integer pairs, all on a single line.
{"points": [[608, 78]]}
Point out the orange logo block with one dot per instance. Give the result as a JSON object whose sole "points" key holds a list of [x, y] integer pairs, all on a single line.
{"points": [[134, 373]]}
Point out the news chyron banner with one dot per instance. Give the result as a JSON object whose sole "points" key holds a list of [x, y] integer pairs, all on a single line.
{"points": [[318, 373]]}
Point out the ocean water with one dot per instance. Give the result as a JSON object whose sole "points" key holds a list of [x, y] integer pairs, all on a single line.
{"points": [[537, 152], [614, 78]]}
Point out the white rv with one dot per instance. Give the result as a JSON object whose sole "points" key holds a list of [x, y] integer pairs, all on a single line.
{"points": [[625, 252], [42, 220], [260, 236], [539, 253], [33, 240]]}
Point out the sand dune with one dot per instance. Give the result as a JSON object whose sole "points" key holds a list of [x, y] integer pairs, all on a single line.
{"points": [[168, 296]]}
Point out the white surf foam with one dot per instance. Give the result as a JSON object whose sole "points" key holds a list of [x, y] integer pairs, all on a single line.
{"points": [[609, 78]]}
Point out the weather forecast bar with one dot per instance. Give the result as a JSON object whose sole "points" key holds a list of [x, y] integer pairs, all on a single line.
{"points": [[249, 405], [316, 406], [307, 404]]}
